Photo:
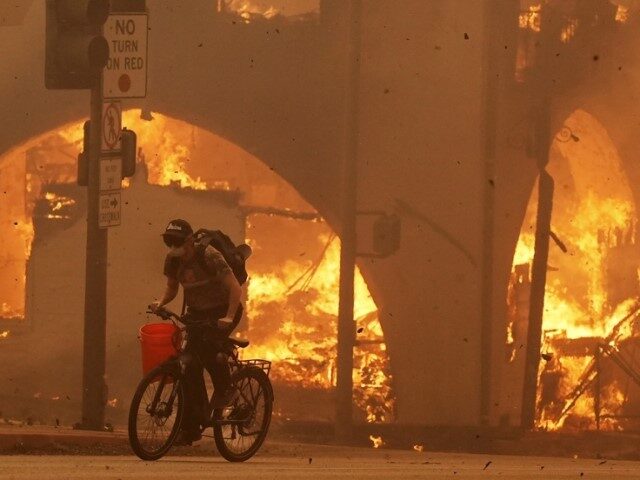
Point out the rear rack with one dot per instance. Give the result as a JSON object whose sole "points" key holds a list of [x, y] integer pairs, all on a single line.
{"points": [[264, 365]]}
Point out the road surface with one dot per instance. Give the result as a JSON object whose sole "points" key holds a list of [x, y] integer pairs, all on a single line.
{"points": [[292, 461]]}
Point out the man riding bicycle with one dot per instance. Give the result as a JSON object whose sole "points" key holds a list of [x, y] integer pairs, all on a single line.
{"points": [[212, 297]]}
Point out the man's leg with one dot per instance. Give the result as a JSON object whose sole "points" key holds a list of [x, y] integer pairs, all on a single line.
{"points": [[221, 377], [195, 395]]}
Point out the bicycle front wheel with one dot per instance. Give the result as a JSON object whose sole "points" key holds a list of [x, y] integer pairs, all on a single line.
{"points": [[156, 412], [240, 429]]}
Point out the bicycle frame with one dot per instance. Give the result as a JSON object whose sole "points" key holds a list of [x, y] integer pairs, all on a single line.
{"points": [[183, 359]]}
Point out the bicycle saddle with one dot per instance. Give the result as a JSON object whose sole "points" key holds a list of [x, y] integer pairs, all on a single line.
{"points": [[238, 342]]}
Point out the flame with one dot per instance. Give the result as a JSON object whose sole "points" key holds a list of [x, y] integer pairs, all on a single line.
{"points": [[569, 30], [593, 218], [418, 448], [376, 441], [302, 342], [4, 334], [247, 9], [530, 18], [622, 14], [174, 153]]}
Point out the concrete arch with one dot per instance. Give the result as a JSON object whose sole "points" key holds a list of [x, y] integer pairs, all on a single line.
{"points": [[281, 98]]}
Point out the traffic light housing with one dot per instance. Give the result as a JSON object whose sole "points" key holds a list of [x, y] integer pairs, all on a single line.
{"points": [[76, 51], [386, 235], [129, 141], [129, 154], [83, 161]]}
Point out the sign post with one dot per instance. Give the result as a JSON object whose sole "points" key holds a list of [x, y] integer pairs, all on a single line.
{"points": [[110, 165], [95, 300], [125, 75]]}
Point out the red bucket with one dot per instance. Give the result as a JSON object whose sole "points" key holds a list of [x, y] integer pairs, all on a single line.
{"points": [[158, 344]]}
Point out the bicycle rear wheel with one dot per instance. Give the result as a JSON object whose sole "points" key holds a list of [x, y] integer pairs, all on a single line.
{"points": [[240, 429], [156, 413]]}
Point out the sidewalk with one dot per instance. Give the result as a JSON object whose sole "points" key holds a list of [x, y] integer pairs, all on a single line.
{"points": [[41, 438], [51, 440]]}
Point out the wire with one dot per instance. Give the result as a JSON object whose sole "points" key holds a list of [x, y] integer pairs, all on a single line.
{"points": [[310, 272]]}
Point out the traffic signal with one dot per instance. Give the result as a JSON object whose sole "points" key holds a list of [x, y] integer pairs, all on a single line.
{"points": [[129, 141], [128, 153], [76, 51], [386, 235], [83, 161]]}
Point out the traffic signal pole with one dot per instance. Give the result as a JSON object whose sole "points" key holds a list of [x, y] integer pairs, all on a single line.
{"points": [[94, 391]]}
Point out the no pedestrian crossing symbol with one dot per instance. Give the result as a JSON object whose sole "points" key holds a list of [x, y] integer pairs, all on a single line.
{"points": [[111, 126], [125, 75]]}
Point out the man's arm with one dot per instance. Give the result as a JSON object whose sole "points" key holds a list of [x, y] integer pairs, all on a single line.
{"points": [[216, 262], [235, 292], [169, 294]]}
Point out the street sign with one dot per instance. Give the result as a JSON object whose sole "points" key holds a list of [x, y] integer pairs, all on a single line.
{"points": [[111, 125], [125, 75], [110, 174], [109, 211]]}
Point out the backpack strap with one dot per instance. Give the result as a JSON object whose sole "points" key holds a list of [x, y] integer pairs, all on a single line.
{"points": [[200, 248]]}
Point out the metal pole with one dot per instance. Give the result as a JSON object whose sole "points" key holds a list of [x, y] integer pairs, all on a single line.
{"points": [[95, 299], [346, 325], [536, 308]]}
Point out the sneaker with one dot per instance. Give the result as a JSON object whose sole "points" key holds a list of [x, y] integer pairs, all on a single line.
{"points": [[225, 399], [186, 437]]}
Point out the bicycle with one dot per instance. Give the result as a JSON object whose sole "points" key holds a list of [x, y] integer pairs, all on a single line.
{"points": [[157, 407]]}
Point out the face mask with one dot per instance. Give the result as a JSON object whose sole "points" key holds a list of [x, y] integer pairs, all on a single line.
{"points": [[177, 251]]}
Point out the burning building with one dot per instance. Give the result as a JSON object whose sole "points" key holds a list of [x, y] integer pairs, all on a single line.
{"points": [[292, 293], [459, 107]]}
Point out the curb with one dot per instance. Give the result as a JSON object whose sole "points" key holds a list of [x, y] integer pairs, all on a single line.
{"points": [[24, 439]]}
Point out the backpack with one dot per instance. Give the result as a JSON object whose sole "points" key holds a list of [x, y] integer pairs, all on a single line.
{"points": [[235, 256]]}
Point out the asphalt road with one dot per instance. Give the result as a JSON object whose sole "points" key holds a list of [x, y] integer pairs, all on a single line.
{"points": [[293, 461]]}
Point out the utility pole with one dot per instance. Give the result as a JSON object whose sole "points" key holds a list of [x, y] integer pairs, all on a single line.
{"points": [[346, 324], [94, 394]]}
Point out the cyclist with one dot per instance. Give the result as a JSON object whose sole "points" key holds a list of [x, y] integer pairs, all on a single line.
{"points": [[212, 295]]}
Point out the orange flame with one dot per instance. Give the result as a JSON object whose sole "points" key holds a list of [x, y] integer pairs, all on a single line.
{"points": [[591, 217]]}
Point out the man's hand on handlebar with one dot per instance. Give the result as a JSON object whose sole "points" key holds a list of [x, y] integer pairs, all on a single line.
{"points": [[160, 311], [155, 306]]}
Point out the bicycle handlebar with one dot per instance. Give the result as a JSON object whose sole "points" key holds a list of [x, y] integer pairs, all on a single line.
{"points": [[164, 314]]}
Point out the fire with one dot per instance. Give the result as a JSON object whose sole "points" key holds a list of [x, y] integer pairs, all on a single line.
{"points": [[246, 9], [622, 14], [301, 334], [596, 220], [418, 448], [376, 441], [295, 299], [4, 334], [530, 18], [57, 204]]}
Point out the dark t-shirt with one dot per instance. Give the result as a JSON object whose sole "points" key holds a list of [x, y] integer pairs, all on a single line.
{"points": [[204, 289]]}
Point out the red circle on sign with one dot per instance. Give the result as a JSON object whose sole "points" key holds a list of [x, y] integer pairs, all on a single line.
{"points": [[124, 82]]}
